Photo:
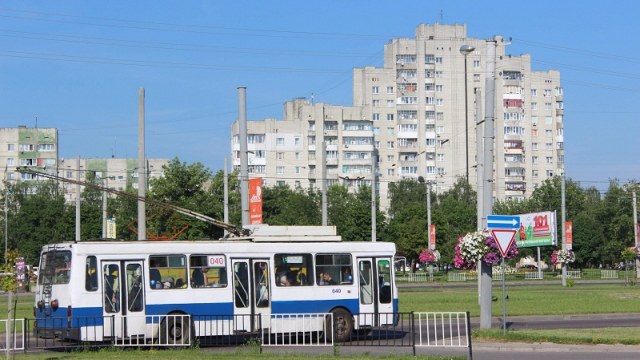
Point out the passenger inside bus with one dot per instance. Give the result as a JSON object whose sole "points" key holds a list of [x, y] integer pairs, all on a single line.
{"points": [[198, 277], [111, 290]]}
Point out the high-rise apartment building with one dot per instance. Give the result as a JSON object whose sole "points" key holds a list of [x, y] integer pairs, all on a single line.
{"points": [[117, 174], [420, 110], [290, 152], [35, 148]]}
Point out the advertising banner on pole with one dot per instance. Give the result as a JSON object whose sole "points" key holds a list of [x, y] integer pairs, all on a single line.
{"points": [[568, 234], [255, 201], [537, 229], [432, 237]]}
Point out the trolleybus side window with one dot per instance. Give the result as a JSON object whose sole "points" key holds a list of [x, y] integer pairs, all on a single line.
{"points": [[91, 278], [293, 269], [384, 277], [208, 271], [334, 269], [111, 273], [165, 271], [261, 278], [134, 288]]}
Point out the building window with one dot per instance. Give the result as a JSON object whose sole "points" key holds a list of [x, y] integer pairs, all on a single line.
{"points": [[440, 157], [548, 146], [375, 116], [476, 77], [390, 117], [549, 159], [391, 131], [390, 103], [439, 101], [548, 132], [375, 90], [45, 147], [390, 144], [534, 146], [534, 159], [547, 106], [376, 102], [430, 115], [476, 63], [280, 141], [280, 156], [391, 172], [438, 59], [431, 170], [390, 158], [534, 173], [548, 120], [26, 147], [389, 89], [9, 161], [534, 106], [534, 92], [439, 88], [11, 147], [297, 156], [279, 170], [296, 141], [439, 75], [549, 173], [297, 169], [440, 116]]}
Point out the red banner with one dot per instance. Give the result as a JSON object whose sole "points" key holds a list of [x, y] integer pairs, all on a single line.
{"points": [[255, 201], [432, 237], [637, 234], [568, 234]]}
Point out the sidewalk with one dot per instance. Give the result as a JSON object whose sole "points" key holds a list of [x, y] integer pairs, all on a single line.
{"points": [[551, 347]]}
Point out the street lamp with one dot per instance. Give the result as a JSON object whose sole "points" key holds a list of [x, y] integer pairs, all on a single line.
{"points": [[466, 50]]}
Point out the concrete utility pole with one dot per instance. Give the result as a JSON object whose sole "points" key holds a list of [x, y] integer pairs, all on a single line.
{"points": [[635, 231], [226, 195], [104, 208], [244, 161], [564, 229], [78, 199], [373, 195], [487, 192], [323, 178], [479, 159], [142, 173]]}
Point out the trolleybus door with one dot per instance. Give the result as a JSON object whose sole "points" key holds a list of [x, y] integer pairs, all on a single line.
{"points": [[375, 291], [123, 299], [252, 301]]}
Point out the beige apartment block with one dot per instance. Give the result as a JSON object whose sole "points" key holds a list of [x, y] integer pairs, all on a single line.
{"points": [[35, 148], [417, 114], [290, 152], [117, 174]]}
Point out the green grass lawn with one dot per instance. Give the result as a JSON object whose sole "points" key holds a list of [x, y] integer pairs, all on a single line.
{"points": [[526, 300]]}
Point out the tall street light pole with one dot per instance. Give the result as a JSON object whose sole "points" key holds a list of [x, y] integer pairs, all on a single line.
{"points": [[466, 50]]}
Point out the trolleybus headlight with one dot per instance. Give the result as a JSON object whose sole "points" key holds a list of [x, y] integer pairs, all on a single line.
{"points": [[54, 304]]}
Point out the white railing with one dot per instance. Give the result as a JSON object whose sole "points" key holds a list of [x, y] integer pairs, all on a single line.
{"points": [[159, 330], [533, 275], [574, 274], [609, 274], [15, 341], [416, 277], [297, 329], [443, 329], [455, 276]]}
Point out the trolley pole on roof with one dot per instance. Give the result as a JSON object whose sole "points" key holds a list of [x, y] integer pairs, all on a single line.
{"points": [[142, 178]]}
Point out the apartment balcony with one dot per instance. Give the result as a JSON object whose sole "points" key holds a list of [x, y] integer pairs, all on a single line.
{"points": [[256, 161], [412, 146], [312, 147], [559, 112], [559, 98], [512, 82], [357, 133], [330, 132], [407, 135], [332, 162], [358, 147]]}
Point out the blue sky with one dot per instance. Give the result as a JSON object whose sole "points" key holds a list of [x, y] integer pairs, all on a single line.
{"points": [[78, 65]]}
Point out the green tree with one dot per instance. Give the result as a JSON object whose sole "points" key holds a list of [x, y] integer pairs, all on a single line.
{"points": [[185, 186], [282, 205], [35, 213]]}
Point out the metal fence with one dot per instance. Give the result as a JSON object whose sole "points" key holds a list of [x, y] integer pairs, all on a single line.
{"points": [[409, 330]]}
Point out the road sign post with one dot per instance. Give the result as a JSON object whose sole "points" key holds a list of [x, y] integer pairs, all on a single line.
{"points": [[504, 229]]}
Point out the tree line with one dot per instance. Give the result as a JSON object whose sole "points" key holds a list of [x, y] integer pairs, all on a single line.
{"points": [[37, 213]]}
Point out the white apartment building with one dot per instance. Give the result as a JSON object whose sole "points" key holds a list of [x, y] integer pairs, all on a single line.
{"points": [[30, 147], [423, 122], [290, 152], [117, 174]]}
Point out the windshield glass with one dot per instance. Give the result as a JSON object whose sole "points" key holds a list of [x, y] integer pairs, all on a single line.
{"points": [[55, 267]]}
